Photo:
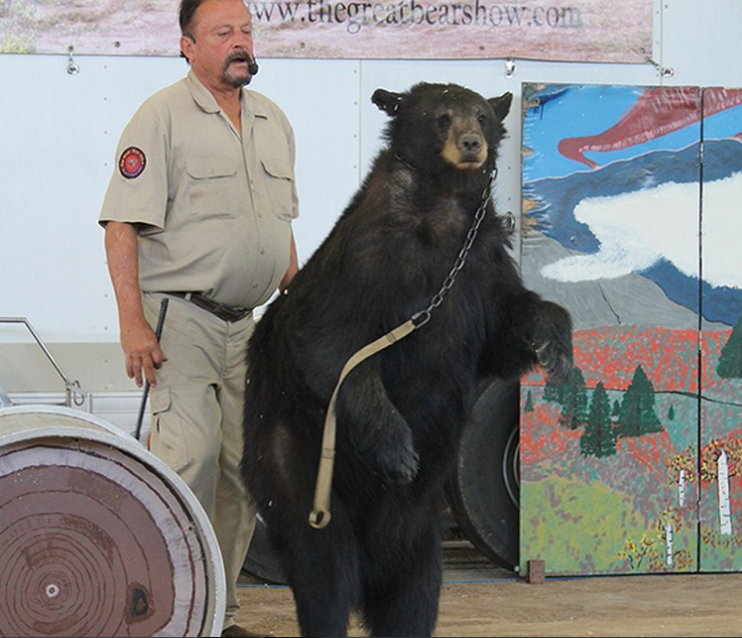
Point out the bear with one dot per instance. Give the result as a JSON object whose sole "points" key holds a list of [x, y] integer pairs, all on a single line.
{"points": [[419, 244]]}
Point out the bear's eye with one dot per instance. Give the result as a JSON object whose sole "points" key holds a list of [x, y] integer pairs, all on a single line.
{"points": [[444, 120], [482, 118]]}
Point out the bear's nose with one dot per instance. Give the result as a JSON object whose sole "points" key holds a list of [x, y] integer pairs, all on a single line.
{"points": [[471, 143]]}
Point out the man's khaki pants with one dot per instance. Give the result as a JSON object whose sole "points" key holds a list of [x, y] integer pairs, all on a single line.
{"points": [[197, 413]]}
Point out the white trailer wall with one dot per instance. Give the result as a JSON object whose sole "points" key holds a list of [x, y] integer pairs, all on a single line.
{"points": [[59, 131]]}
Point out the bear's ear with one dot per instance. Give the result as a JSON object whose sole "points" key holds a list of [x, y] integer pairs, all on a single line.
{"points": [[501, 105], [387, 101]]}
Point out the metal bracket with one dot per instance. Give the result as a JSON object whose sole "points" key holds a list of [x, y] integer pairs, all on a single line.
{"points": [[72, 67], [72, 388], [663, 71]]}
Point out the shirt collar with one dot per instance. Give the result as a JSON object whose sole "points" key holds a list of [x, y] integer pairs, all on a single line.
{"points": [[203, 97]]}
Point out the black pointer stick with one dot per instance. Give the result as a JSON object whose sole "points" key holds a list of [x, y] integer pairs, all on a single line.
{"points": [[158, 334]]}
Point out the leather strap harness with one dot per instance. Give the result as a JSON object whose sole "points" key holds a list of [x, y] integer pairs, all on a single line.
{"points": [[320, 515]]}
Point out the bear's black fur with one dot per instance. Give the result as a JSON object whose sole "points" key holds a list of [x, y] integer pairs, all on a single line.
{"points": [[401, 412]]}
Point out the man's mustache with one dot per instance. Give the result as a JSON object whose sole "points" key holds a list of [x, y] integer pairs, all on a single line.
{"points": [[238, 56]]}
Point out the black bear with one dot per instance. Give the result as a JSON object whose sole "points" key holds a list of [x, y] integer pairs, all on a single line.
{"points": [[419, 239]]}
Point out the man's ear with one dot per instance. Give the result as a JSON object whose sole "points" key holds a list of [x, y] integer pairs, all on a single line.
{"points": [[186, 46]]}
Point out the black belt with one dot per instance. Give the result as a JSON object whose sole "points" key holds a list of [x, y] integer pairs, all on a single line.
{"points": [[223, 311]]}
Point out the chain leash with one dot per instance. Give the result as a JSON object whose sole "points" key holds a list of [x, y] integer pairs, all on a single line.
{"points": [[423, 316]]}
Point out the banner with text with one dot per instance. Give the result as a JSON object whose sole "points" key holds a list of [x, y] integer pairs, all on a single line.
{"points": [[565, 30]]}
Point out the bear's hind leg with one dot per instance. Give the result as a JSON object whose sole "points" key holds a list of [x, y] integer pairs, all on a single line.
{"points": [[401, 592], [322, 569]]}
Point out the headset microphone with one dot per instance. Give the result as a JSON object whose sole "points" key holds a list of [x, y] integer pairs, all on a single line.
{"points": [[252, 66]]}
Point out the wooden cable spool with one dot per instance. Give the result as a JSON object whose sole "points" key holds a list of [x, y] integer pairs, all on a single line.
{"points": [[97, 536]]}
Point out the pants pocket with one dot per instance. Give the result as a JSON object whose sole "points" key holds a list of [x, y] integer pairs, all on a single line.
{"points": [[167, 441]]}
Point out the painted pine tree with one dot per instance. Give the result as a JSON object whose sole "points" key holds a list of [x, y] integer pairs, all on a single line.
{"points": [[599, 438], [730, 361], [528, 407], [572, 397], [637, 416]]}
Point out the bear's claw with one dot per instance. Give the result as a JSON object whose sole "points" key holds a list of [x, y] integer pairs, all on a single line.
{"points": [[399, 466], [556, 360]]}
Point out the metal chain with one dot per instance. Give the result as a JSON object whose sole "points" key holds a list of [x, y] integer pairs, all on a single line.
{"points": [[423, 316]]}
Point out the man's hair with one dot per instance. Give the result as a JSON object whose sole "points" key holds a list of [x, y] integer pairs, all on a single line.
{"points": [[187, 11]]}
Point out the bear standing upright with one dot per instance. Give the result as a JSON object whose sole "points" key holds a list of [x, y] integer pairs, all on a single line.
{"points": [[400, 412]]}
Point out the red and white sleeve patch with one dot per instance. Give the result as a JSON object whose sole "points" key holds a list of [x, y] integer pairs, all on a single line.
{"points": [[132, 162]]}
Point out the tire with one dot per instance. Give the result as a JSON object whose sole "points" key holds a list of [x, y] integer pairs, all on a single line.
{"points": [[484, 491], [261, 561]]}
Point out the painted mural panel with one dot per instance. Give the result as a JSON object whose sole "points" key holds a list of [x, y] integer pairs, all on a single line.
{"points": [[720, 466], [611, 194]]}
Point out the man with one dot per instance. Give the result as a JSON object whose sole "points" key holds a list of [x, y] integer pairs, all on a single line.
{"points": [[199, 211]]}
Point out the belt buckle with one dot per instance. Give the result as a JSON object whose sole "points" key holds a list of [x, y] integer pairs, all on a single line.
{"points": [[220, 310], [228, 313], [224, 312]]}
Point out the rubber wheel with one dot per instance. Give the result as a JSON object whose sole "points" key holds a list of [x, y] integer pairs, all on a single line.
{"points": [[484, 491], [261, 561]]}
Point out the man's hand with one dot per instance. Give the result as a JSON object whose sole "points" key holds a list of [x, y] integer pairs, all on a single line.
{"points": [[143, 352]]}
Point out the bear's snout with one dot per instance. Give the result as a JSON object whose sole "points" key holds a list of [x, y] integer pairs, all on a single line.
{"points": [[470, 144], [465, 150]]}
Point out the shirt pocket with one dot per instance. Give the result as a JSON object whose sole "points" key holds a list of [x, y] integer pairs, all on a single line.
{"points": [[279, 180], [213, 187]]}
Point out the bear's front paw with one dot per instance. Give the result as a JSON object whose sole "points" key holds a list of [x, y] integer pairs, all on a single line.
{"points": [[385, 443], [555, 359], [398, 465], [552, 341]]}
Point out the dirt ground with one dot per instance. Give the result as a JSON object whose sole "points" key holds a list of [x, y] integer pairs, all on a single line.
{"points": [[479, 599]]}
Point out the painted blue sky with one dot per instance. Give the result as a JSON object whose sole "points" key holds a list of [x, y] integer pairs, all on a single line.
{"points": [[590, 110]]}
